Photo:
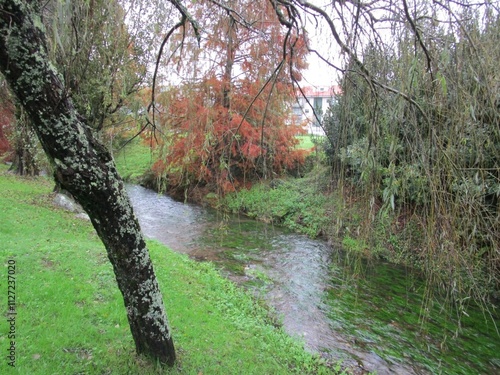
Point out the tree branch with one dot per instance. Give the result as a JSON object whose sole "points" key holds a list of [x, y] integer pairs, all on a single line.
{"points": [[419, 38]]}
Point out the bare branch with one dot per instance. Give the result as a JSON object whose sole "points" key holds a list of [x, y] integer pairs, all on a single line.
{"points": [[419, 38], [186, 16]]}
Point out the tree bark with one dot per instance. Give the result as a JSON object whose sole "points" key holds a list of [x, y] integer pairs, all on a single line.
{"points": [[24, 161], [86, 169]]}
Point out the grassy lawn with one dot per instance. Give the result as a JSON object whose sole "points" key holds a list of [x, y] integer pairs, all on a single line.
{"points": [[70, 315], [134, 159], [306, 142]]}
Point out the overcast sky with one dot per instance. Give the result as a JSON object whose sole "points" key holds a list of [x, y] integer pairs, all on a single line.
{"points": [[321, 40], [318, 74]]}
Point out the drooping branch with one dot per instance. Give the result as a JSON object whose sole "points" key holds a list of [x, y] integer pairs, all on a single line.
{"points": [[419, 38], [157, 65], [405, 97], [186, 16], [363, 71], [344, 47]]}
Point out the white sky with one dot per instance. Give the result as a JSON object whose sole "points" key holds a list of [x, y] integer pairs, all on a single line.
{"points": [[321, 40], [318, 73]]}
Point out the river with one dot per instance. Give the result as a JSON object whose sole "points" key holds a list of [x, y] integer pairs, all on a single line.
{"points": [[366, 313]]}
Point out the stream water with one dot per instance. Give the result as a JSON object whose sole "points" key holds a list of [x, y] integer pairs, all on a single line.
{"points": [[367, 314]]}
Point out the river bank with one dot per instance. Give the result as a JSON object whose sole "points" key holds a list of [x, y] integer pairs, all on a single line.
{"points": [[423, 317], [71, 315], [314, 204], [308, 204]]}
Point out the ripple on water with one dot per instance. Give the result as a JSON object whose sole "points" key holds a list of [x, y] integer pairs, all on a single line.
{"points": [[366, 313]]}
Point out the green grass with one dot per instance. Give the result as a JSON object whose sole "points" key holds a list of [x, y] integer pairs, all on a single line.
{"points": [[70, 315], [133, 160], [296, 203], [306, 142], [136, 158]]}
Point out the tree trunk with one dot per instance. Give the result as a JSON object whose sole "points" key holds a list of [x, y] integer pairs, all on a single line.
{"points": [[228, 69], [85, 168]]}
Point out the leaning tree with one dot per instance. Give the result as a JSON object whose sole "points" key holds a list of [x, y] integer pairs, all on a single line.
{"points": [[85, 168]]}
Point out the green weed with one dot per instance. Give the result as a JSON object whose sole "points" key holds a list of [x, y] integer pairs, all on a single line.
{"points": [[293, 203]]}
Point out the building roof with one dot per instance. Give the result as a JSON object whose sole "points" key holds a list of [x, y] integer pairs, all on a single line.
{"points": [[320, 91]]}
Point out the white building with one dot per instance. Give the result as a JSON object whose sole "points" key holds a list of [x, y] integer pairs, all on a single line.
{"points": [[312, 103]]}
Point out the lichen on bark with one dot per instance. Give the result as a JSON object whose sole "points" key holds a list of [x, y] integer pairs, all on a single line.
{"points": [[85, 168]]}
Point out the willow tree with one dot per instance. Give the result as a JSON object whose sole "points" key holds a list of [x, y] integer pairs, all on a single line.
{"points": [[417, 129], [102, 66], [85, 168], [102, 62]]}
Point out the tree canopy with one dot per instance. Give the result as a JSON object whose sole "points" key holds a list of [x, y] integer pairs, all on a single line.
{"points": [[228, 120]]}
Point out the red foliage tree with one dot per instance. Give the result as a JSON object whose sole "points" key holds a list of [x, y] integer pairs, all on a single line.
{"points": [[232, 124]]}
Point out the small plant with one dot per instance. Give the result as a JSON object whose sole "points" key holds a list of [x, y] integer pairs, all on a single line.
{"points": [[293, 203]]}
